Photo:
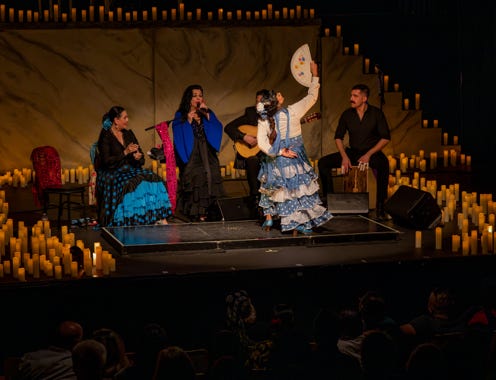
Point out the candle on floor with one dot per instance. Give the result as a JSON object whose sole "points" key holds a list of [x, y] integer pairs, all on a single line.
{"points": [[439, 238], [418, 239], [220, 13], [473, 242], [455, 243]]}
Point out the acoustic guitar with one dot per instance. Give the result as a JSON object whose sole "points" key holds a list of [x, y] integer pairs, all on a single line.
{"points": [[247, 151]]}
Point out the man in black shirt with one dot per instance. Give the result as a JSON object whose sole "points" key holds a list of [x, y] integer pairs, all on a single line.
{"points": [[250, 158], [368, 134]]}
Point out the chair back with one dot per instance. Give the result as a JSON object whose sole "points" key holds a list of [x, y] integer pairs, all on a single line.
{"points": [[46, 164]]}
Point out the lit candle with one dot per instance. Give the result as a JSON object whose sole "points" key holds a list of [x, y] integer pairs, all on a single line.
{"points": [[425, 123], [73, 14], [285, 13], [128, 16], [356, 49], [264, 14], [423, 165], [445, 138], [119, 14], [210, 16], [455, 140], [435, 123], [111, 19], [312, 13], [21, 274], [229, 15], [327, 32], [277, 15], [20, 15], [58, 272], [298, 11], [181, 11], [367, 65], [135, 16], [439, 238], [83, 19], [406, 104], [469, 160], [338, 30], [173, 14], [256, 15], [29, 15], [189, 16], [198, 13], [46, 15], [269, 10], [154, 14], [91, 13], [64, 17], [473, 242], [386, 82], [11, 15], [164, 15], [484, 242], [346, 50], [445, 158], [220, 13], [291, 14], [455, 243], [101, 10], [239, 14], [2, 12], [418, 239]]}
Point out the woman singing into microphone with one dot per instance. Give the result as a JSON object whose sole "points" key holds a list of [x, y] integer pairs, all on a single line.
{"points": [[197, 137]]}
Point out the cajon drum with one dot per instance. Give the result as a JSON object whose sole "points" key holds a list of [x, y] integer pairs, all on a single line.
{"points": [[361, 181]]}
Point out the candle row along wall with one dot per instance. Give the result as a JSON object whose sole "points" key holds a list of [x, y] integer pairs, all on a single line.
{"points": [[101, 14], [404, 163]]}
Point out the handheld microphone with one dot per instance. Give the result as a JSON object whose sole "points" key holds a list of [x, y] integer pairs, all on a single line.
{"points": [[201, 111]]}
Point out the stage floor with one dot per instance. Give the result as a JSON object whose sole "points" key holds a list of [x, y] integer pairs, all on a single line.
{"points": [[221, 236]]}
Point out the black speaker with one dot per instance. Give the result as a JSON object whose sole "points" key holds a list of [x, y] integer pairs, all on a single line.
{"points": [[413, 208], [241, 208]]}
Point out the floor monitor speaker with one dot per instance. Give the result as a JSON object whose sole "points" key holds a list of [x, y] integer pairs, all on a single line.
{"points": [[413, 208]]}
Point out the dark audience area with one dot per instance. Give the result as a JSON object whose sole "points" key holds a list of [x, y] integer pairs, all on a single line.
{"points": [[417, 320]]}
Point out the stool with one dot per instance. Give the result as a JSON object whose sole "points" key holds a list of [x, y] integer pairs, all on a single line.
{"points": [[65, 192]]}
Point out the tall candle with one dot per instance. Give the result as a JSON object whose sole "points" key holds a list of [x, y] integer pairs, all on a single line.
{"points": [[20, 15], [2, 12], [473, 242], [181, 11], [439, 238], [101, 12], [455, 243], [220, 13], [356, 49], [21, 274], [418, 239], [396, 87], [91, 13], [417, 101], [239, 14], [327, 32], [338, 30], [285, 13], [367, 65], [29, 15], [119, 14], [406, 104], [154, 14], [425, 123], [435, 123], [199, 11], [386, 83], [298, 11]]}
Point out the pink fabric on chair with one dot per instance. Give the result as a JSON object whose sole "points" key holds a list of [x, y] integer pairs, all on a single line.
{"points": [[170, 161]]}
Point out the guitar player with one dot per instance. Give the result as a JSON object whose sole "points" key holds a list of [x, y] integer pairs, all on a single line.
{"points": [[247, 152]]}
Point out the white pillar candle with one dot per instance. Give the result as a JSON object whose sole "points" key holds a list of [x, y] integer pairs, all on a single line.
{"points": [[417, 101], [154, 14], [346, 50], [439, 238], [338, 30], [425, 123], [386, 83], [396, 87], [356, 49], [367, 65], [435, 123]]}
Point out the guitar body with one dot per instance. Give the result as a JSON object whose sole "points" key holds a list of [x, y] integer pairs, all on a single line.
{"points": [[243, 149], [247, 151]]}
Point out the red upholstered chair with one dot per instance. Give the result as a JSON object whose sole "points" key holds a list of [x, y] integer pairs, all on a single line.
{"points": [[48, 180]]}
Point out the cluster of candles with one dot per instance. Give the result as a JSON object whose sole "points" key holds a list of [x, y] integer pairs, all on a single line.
{"points": [[102, 14], [451, 158], [474, 227], [42, 254]]}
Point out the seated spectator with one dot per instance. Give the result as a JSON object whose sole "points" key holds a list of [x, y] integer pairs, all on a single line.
{"points": [[117, 362], [350, 333], [89, 358], [439, 318], [152, 339], [328, 362], [290, 354], [426, 362], [55, 361], [174, 363], [379, 356]]}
